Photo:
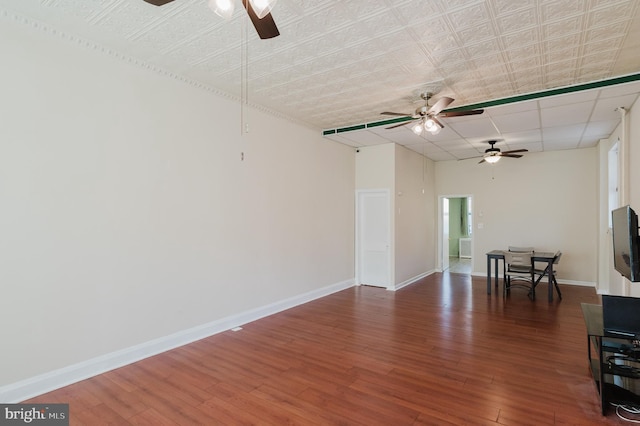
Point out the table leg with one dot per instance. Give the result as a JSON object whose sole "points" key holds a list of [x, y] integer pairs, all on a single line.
{"points": [[495, 264], [550, 276], [488, 275]]}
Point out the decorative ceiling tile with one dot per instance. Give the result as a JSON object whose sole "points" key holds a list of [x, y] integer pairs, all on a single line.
{"points": [[505, 7], [563, 27], [126, 18], [479, 32], [486, 48], [564, 42], [430, 30], [443, 43], [622, 11], [598, 4], [411, 13], [524, 54], [517, 21], [605, 32], [560, 9], [447, 58], [521, 38], [493, 67], [469, 16], [561, 55], [608, 47], [528, 84], [378, 25], [445, 5], [342, 62], [329, 18]]}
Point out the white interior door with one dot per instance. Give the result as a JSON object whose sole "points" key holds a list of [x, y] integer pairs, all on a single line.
{"points": [[373, 244], [445, 234]]}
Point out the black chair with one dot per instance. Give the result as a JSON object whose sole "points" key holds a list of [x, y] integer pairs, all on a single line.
{"points": [[521, 249], [549, 269], [519, 272]]}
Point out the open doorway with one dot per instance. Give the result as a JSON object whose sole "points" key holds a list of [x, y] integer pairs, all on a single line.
{"points": [[456, 234]]}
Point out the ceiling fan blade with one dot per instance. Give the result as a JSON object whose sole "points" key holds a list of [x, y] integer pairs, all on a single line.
{"points": [[461, 113], [514, 151], [510, 155], [440, 105], [481, 161], [158, 2], [266, 27], [399, 114], [435, 120], [400, 125], [470, 158]]}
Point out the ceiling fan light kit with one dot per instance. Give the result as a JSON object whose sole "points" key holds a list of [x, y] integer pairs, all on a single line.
{"points": [[225, 8], [425, 117], [259, 12], [426, 124], [262, 7], [492, 155], [222, 8], [158, 2]]}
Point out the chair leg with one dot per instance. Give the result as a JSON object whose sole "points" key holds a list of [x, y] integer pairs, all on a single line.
{"points": [[557, 287], [533, 287]]}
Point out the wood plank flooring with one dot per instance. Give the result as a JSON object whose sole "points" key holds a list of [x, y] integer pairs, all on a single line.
{"points": [[438, 352]]}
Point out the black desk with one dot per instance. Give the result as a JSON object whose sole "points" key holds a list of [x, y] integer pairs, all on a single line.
{"points": [[538, 256], [494, 255]]}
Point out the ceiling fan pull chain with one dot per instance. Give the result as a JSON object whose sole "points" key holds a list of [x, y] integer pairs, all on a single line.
{"points": [[244, 76]]}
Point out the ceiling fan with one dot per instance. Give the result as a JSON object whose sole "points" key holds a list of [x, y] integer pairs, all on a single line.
{"points": [[492, 155], [426, 117], [259, 12]]}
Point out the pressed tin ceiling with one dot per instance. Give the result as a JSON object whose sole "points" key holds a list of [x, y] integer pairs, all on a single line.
{"points": [[337, 64]]}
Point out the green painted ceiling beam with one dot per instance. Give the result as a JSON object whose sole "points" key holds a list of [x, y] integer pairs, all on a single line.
{"points": [[519, 98]]}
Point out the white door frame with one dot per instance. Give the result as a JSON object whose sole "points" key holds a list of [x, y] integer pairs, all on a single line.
{"points": [[441, 230], [446, 224], [358, 248]]}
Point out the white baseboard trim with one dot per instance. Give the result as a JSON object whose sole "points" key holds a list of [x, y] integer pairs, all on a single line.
{"points": [[572, 282], [47, 382], [411, 280]]}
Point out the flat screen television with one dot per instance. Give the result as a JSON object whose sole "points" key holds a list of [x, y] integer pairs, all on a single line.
{"points": [[626, 243]]}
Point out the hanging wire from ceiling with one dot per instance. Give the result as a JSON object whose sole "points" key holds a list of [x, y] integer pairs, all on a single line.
{"points": [[244, 75]]}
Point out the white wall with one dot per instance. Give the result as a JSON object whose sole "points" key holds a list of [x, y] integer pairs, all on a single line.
{"points": [[609, 280], [415, 216], [546, 200], [627, 134], [375, 169], [410, 178], [127, 214], [633, 117]]}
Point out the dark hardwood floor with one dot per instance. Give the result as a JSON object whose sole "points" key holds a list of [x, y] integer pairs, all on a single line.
{"points": [[440, 351]]}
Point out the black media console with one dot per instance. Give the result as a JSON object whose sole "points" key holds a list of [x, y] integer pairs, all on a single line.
{"points": [[614, 362]]}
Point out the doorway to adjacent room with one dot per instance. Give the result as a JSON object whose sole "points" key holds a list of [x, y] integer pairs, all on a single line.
{"points": [[456, 234]]}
